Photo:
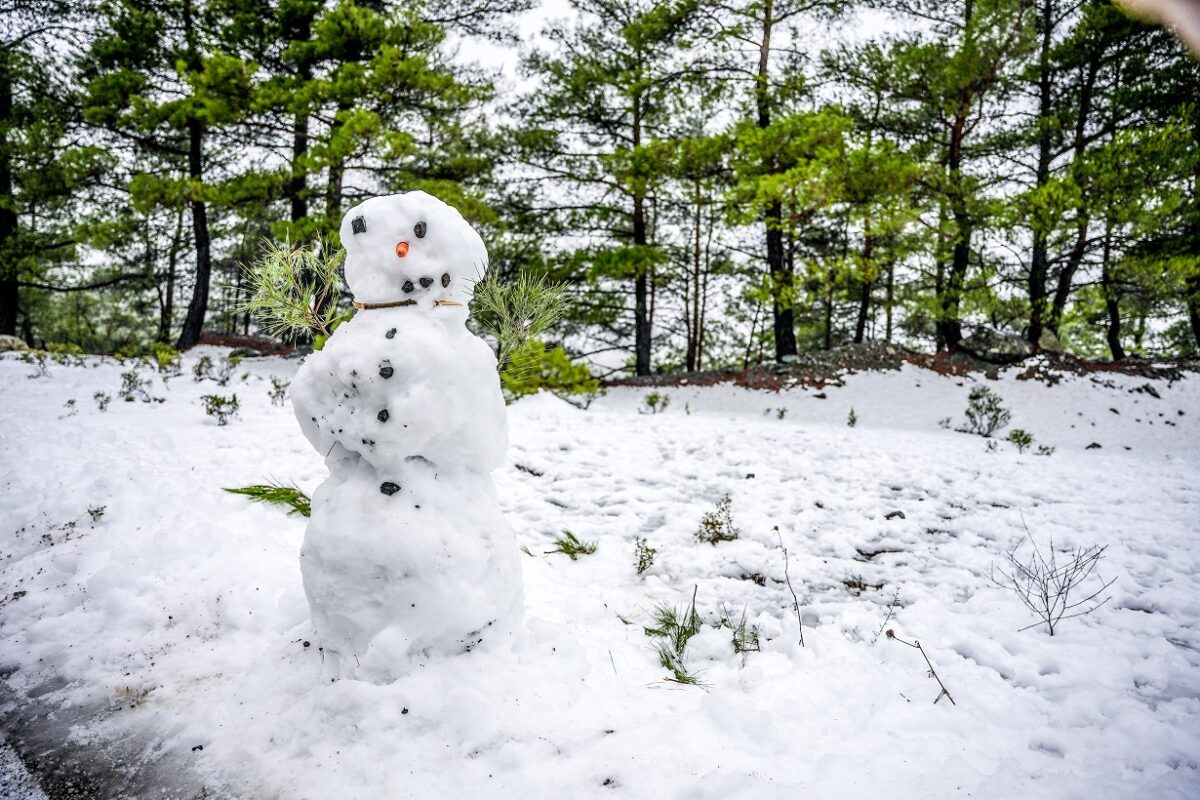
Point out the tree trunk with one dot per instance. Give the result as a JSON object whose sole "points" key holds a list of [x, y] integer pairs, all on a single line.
{"points": [[1111, 304], [297, 187], [1193, 307], [193, 323], [167, 316], [10, 290], [693, 343], [864, 298], [891, 299], [949, 324], [777, 268], [1039, 261], [641, 294], [1066, 275]]}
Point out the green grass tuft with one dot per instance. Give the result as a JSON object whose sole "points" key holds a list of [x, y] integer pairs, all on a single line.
{"points": [[571, 547], [277, 494]]}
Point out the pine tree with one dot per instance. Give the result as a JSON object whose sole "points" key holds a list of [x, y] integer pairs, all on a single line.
{"points": [[157, 81], [44, 166], [599, 126]]}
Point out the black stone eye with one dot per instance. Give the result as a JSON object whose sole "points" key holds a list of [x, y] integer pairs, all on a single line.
{"points": [[358, 225], [426, 283], [419, 229], [408, 287], [445, 279]]}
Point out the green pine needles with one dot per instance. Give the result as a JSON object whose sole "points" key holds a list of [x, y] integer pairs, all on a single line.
{"points": [[571, 547], [295, 288], [673, 628], [518, 311], [277, 494]]}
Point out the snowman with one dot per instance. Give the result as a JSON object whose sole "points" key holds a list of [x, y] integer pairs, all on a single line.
{"points": [[406, 553]]}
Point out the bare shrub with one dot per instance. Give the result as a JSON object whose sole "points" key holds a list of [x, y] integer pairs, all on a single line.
{"points": [[1052, 587]]}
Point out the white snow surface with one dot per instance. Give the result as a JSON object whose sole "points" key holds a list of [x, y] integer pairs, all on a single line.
{"points": [[176, 618]]}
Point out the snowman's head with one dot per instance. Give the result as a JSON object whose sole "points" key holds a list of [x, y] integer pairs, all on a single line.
{"points": [[412, 247]]}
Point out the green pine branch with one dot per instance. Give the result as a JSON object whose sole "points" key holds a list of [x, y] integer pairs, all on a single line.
{"points": [[295, 288], [514, 313], [277, 494]]}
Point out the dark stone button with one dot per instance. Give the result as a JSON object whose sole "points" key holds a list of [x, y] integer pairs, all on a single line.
{"points": [[391, 334], [419, 229], [426, 282], [389, 488], [386, 371], [382, 416], [408, 287]]}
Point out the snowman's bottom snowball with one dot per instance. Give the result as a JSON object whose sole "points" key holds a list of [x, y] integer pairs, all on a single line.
{"points": [[430, 569]]}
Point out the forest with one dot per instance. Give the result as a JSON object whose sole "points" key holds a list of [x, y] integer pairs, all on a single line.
{"points": [[717, 183]]}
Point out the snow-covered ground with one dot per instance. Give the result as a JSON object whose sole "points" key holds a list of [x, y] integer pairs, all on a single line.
{"points": [[155, 625]]}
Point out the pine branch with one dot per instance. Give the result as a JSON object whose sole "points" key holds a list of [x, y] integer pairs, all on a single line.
{"points": [[294, 289]]}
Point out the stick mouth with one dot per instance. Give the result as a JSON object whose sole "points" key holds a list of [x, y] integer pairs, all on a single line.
{"points": [[402, 303], [392, 304]]}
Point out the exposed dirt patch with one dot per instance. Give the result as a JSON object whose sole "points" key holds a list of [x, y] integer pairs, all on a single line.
{"points": [[823, 368]]}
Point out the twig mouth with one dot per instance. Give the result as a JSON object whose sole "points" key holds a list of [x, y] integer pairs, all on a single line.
{"points": [[392, 304], [447, 303]]}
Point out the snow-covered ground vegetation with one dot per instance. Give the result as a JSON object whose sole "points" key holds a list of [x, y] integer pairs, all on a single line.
{"points": [[155, 631]]}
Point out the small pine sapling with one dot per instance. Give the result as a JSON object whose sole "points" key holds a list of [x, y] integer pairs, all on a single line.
{"points": [[852, 420], [717, 525], [38, 360], [70, 407], [134, 387], [167, 359], [674, 628], [102, 400], [202, 369], [643, 555], [985, 412], [1020, 438], [1045, 450], [221, 408], [278, 393], [221, 374], [744, 637], [570, 546], [656, 402], [277, 494]]}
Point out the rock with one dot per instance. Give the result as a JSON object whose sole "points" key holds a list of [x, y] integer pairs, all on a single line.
{"points": [[9, 343], [1093, 446], [389, 488], [1049, 343], [994, 347], [789, 359], [382, 416], [391, 334], [895, 515], [386, 371]]}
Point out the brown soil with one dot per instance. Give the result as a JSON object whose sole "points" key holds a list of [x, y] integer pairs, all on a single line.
{"points": [[823, 368]]}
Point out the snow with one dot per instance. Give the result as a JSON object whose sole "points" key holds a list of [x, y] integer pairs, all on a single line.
{"points": [[407, 552], [173, 625]]}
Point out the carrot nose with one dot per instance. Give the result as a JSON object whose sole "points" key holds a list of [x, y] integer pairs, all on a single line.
{"points": [[401, 249]]}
